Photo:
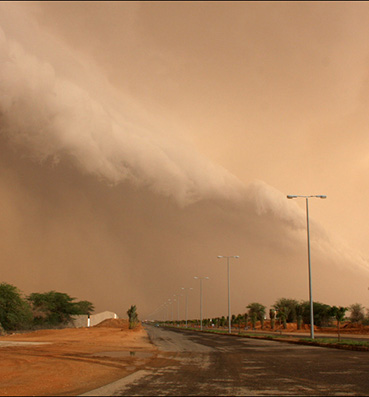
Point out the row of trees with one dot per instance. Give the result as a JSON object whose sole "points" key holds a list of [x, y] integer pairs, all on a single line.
{"points": [[38, 309], [286, 311], [290, 310]]}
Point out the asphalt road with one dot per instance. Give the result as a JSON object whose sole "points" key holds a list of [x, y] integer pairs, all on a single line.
{"points": [[191, 363]]}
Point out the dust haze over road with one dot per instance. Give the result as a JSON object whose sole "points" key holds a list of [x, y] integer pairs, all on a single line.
{"points": [[213, 365], [111, 196]]}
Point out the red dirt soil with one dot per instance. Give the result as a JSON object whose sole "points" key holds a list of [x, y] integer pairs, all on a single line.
{"points": [[66, 365], [345, 328]]}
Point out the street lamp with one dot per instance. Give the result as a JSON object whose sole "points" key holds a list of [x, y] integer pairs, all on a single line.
{"points": [[201, 278], [186, 289], [309, 262], [229, 289], [171, 304], [177, 295], [164, 309]]}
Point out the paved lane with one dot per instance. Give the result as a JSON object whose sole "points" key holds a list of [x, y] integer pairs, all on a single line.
{"points": [[191, 363]]}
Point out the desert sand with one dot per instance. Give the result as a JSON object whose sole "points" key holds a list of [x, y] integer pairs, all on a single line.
{"points": [[71, 361]]}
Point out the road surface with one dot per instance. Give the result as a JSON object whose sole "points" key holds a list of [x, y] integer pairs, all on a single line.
{"points": [[193, 363]]}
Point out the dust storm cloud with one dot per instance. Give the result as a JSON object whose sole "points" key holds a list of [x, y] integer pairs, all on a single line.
{"points": [[113, 190]]}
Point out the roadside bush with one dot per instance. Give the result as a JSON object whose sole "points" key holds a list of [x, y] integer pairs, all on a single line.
{"points": [[56, 308], [322, 313], [356, 313], [15, 312]]}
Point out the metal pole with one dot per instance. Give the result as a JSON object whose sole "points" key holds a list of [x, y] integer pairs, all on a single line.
{"points": [[201, 304], [310, 281], [178, 309], [229, 300], [186, 306]]}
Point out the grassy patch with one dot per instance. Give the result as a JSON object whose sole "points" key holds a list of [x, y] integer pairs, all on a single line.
{"points": [[342, 344]]}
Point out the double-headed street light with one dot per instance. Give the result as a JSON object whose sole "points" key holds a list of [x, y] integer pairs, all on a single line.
{"points": [[229, 290], [309, 262], [201, 278], [186, 289]]}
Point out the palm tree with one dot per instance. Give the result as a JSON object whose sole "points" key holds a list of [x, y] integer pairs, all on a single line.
{"points": [[253, 320], [133, 316], [246, 320], [282, 315], [256, 312], [339, 314], [272, 318], [299, 312], [288, 306]]}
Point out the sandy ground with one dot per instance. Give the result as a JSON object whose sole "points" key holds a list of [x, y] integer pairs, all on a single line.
{"points": [[71, 361]]}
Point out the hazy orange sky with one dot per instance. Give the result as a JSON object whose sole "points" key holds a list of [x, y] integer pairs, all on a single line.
{"points": [[139, 140]]}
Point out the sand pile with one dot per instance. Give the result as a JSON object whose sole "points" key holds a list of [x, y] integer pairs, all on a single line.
{"points": [[114, 323], [121, 323]]}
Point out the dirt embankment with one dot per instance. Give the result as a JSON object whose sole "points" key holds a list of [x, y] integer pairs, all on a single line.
{"points": [[71, 361]]}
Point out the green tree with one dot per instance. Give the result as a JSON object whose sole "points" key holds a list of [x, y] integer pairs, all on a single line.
{"points": [[258, 310], [253, 317], [56, 308], [288, 306], [239, 320], [246, 320], [84, 307], [322, 313], [132, 316], [282, 315], [272, 318], [15, 312], [356, 313], [299, 312], [339, 314]]}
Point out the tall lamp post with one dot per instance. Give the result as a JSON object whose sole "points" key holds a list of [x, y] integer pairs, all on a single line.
{"points": [[186, 289], [309, 261], [229, 290], [177, 295], [201, 278], [171, 304]]}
